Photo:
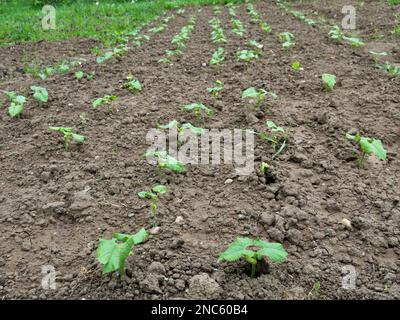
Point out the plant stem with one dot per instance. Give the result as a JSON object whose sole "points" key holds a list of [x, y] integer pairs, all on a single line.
{"points": [[361, 160], [253, 270], [153, 206]]}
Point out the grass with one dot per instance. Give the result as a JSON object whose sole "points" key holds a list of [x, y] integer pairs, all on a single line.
{"points": [[20, 20]]}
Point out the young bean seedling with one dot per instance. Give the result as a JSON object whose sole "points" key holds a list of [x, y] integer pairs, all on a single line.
{"points": [[247, 55], [107, 99], [258, 95], [40, 94], [368, 146], [79, 75], [253, 251], [257, 46], [68, 134], [215, 91], [153, 195], [181, 129], [329, 81], [237, 27], [133, 84], [166, 161], [265, 27], [278, 137], [199, 110], [337, 35], [287, 39], [113, 253], [296, 65], [217, 57], [16, 104]]}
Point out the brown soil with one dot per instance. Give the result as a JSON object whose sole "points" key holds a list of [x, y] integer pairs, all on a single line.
{"points": [[44, 220]]}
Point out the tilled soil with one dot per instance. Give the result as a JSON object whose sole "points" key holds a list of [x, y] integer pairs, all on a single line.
{"points": [[55, 205]]}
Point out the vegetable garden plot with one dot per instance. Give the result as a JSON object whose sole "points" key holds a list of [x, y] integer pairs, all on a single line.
{"points": [[315, 209]]}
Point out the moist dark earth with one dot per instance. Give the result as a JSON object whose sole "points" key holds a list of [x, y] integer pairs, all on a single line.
{"points": [[55, 205]]}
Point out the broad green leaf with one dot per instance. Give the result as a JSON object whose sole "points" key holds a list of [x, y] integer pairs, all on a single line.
{"points": [[15, 109], [159, 189], [373, 146], [78, 137], [97, 103], [113, 255], [250, 93], [274, 251], [369, 145], [238, 249], [171, 124], [40, 94], [79, 75], [195, 130], [329, 81], [273, 127], [144, 195]]}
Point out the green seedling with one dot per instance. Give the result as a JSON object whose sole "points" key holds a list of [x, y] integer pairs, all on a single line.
{"points": [[181, 129], [258, 95], [40, 94], [277, 136], [368, 146], [377, 55], [217, 57], [90, 75], [287, 39], [199, 110], [255, 18], [258, 46], [158, 29], [336, 34], [253, 251], [165, 61], [68, 134], [247, 55], [265, 27], [133, 84], [329, 81], [63, 67], [215, 91], [166, 161], [79, 75], [153, 196], [17, 102], [113, 253], [355, 42], [296, 65], [389, 68], [264, 168], [237, 27], [107, 99]]}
